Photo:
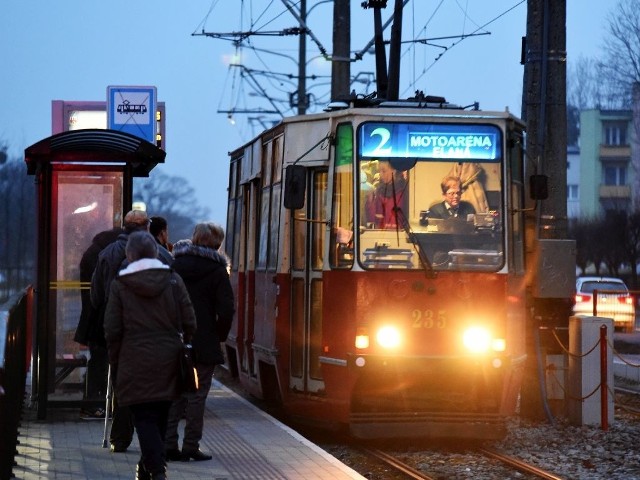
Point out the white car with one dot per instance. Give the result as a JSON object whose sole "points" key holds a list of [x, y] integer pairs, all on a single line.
{"points": [[614, 301]]}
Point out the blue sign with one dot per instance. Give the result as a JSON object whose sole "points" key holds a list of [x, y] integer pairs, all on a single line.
{"points": [[470, 142], [132, 110]]}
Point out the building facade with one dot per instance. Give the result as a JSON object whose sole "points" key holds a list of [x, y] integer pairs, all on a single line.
{"points": [[606, 175], [573, 182]]}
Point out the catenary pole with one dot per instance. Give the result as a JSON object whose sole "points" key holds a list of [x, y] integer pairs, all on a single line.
{"points": [[544, 110], [340, 60]]}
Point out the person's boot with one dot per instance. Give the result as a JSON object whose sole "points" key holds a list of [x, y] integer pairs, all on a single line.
{"points": [[197, 454], [160, 475], [141, 472]]}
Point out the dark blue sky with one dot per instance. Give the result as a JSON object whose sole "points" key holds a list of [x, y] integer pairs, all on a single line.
{"points": [[73, 50]]}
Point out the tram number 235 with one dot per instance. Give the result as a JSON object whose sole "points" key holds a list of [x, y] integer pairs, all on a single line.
{"points": [[429, 319]]}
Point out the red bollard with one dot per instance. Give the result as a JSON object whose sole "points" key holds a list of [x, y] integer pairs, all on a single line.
{"points": [[604, 409]]}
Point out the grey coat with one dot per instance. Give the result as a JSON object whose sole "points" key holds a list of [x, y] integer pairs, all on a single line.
{"points": [[142, 333]]}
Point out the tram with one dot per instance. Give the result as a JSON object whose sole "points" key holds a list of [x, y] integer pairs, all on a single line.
{"points": [[391, 324]]}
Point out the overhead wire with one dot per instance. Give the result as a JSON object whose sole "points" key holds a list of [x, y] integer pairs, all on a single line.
{"points": [[268, 14], [461, 38]]}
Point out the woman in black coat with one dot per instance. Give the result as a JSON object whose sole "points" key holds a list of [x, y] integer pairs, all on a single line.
{"points": [[205, 272], [147, 310]]}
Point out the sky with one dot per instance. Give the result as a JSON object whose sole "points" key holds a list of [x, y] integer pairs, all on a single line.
{"points": [[74, 49]]}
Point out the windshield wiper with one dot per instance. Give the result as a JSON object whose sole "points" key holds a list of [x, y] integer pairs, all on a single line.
{"points": [[424, 260]]}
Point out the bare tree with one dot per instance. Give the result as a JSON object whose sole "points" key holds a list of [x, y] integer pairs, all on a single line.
{"points": [[582, 83], [579, 231], [584, 91], [172, 198], [17, 216], [608, 82], [632, 246], [620, 69]]}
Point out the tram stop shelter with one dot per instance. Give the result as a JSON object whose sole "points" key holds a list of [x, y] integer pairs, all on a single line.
{"points": [[84, 184]]}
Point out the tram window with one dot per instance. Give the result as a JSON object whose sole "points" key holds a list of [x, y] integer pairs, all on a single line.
{"points": [[264, 229], [266, 163], [230, 237], [472, 241], [319, 214], [277, 158], [341, 246], [273, 227], [299, 238]]}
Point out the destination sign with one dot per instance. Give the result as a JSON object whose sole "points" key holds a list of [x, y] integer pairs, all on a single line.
{"points": [[471, 142]]}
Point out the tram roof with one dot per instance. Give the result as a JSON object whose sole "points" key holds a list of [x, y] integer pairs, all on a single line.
{"points": [[389, 109], [99, 146]]}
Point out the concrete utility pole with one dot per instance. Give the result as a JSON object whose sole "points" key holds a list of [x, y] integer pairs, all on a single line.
{"points": [[393, 90], [544, 110], [340, 59], [302, 60], [545, 104]]}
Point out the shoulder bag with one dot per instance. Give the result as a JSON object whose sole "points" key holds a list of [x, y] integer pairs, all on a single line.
{"points": [[187, 373]]}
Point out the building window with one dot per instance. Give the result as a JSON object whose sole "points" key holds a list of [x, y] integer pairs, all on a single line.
{"points": [[572, 192], [615, 174], [615, 133]]}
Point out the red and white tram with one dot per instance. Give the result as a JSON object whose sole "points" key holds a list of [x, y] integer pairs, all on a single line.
{"points": [[391, 324]]}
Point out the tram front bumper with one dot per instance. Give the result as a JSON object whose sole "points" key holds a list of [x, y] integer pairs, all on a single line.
{"points": [[472, 426]]}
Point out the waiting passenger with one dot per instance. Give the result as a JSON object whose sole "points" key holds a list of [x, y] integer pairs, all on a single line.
{"points": [[160, 231], [203, 267], [142, 330], [451, 206], [87, 333]]}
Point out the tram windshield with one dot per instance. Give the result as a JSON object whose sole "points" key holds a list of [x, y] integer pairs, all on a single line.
{"points": [[430, 196]]}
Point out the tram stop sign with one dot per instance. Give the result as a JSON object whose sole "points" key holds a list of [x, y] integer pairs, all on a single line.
{"points": [[132, 110]]}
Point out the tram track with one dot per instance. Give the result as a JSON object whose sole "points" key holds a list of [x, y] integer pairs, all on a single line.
{"points": [[397, 464], [552, 447], [519, 464], [409, 471], [628, 400]]}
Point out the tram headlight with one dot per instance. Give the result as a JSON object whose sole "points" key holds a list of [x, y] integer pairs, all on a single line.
{"points": [[477, 339], [362, 338], [480, 340], [498, 344], [388, 337]]}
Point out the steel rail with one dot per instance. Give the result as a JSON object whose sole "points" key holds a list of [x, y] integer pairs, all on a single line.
{"points": [[623, 406], [397, 464], [519, 465]]}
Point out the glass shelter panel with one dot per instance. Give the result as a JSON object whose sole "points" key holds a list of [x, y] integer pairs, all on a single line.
{"points": [[87, 202], [430, 196]]}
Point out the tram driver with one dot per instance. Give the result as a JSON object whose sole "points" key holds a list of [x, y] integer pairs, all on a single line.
{"points": [[451, 205]]}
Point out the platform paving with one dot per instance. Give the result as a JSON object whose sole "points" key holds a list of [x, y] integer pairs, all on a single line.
{"points": [[245, 442]]}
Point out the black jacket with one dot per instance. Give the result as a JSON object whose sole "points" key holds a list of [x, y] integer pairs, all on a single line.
{"points": [[204, 271], [110, 261], [142, 330], [89, 314]]}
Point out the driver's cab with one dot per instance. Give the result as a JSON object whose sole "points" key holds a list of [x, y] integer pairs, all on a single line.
{"points": [[390, 187], [413, 213]]}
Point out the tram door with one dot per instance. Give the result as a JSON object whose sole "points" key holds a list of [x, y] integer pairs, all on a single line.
{"points": [[87, 202], [247, 301], [306, 295]]}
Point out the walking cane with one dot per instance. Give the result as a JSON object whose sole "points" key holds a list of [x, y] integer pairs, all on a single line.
{"points": [[107, 409]]}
